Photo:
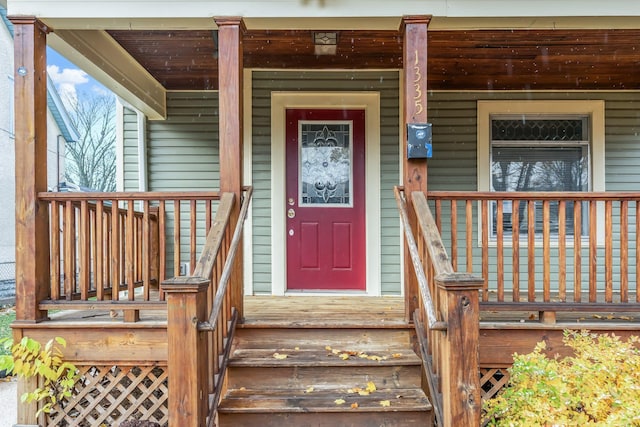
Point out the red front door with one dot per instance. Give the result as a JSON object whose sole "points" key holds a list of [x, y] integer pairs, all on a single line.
{"points": [[325, 199]]}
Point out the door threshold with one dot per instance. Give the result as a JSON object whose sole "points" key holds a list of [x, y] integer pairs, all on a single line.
{"points": [[325, 293]]}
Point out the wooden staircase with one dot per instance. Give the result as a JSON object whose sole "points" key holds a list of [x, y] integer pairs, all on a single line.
{"points": [[287, 374]]}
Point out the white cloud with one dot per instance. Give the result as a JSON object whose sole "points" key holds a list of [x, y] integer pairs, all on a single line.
{"points": [[66, 81]]}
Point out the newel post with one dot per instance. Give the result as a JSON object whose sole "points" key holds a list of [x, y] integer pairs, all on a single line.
{"points": [[188, 351], [460, 379]]}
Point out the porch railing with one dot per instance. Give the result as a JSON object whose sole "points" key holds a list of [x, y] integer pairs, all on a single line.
{"points": [[447, 320], [546, 252], [203, 310], [112, 250]]}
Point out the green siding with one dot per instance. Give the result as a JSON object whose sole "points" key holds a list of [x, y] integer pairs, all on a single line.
{"points": [[454, 167], [183, 149], [387, 84], [130, 147]]}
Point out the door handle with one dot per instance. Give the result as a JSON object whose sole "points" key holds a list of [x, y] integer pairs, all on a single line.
{"points": [[291, 213]]}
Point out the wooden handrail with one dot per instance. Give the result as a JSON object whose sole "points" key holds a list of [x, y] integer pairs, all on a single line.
{"points": [[534, 195], [211, 324], [433, 322], [138, 195]]}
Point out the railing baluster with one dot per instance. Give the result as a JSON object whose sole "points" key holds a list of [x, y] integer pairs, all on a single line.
{"points": [[608, 251], [162, 243], [129, 250], [500, 248], [146, 251], [624, 251], [562, 250], [176, 238], [593, 252], [84, 250], [55, 251], [531, 250], [192, 235], [485, 253], [115, 250], [454, 234], [515, 241], [469, 234], [577, 251], [546, 252], [69, 250]]}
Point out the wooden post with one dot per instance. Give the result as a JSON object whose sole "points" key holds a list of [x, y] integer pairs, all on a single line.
{"points": [[230, 31], [32, 218], [188, 351], [415, 111], [460, 379]]}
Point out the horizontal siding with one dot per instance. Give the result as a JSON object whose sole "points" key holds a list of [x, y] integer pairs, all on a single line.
{"points": [[264, 82], [130, 147], [183, 149]]}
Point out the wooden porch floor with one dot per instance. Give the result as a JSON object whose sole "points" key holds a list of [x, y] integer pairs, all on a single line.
{"points": [[354, 311]]}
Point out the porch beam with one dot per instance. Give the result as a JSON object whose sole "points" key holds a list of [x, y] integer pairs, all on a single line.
{"points": [[32, 219], [414, 178], [96, 52], [230, 72]]}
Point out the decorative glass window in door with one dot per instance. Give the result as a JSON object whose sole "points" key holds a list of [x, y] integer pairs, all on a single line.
{"points": [[325, 177]]}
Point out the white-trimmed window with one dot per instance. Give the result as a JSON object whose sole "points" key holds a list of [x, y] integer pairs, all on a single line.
{"points": [[543, 146]]}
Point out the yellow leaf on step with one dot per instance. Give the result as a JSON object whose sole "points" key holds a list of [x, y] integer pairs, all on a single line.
{"points": [[396, 355], [339, 401], [344, 356], [328, 348], [335, 351], [364, 392], [279, 356], [385, 403], [309, 389], [354, 405], [374, 357], [297, 349], [371, 387]]}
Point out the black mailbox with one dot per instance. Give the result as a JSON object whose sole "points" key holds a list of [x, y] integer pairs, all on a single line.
{"points": [[419, 141]]}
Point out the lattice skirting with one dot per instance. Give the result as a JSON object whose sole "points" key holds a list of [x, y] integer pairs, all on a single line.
{"points": [[108, 395], [492, 380]]}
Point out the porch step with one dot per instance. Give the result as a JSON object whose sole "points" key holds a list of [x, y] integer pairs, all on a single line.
{"points": [[293, 376]]}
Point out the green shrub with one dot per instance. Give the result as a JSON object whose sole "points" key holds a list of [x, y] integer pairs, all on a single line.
{"points": [[598, 386], [29, 358]]}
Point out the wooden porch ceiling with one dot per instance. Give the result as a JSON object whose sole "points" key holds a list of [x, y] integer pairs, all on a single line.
{"points": [[458, 60]]}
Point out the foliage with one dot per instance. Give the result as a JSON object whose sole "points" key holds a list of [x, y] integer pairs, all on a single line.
{"points": [[598, 386], [30, 359], [91, 161], [6, 318]]}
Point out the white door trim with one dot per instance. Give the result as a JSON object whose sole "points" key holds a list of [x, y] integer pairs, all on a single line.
{"points": [[368, 101]]}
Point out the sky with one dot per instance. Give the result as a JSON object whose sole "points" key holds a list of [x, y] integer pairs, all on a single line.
{"points": [[70, 81]]}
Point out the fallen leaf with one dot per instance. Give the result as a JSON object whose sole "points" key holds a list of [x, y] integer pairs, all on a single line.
{"points": [[335, 351], [279, 356], [363, 355], [610, 317], [374, 357], [354, 405], [297, 349], [339, 401], [396, 355], [344, 356], [626, 318], [309, 389], [385, 403], [597, 316], [371, 387], [364, 393], [328, 348], [243, 388]]}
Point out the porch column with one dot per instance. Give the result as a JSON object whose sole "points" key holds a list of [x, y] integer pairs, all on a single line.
{"points": [[230, 31], [415, 111], [32, 219]]}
